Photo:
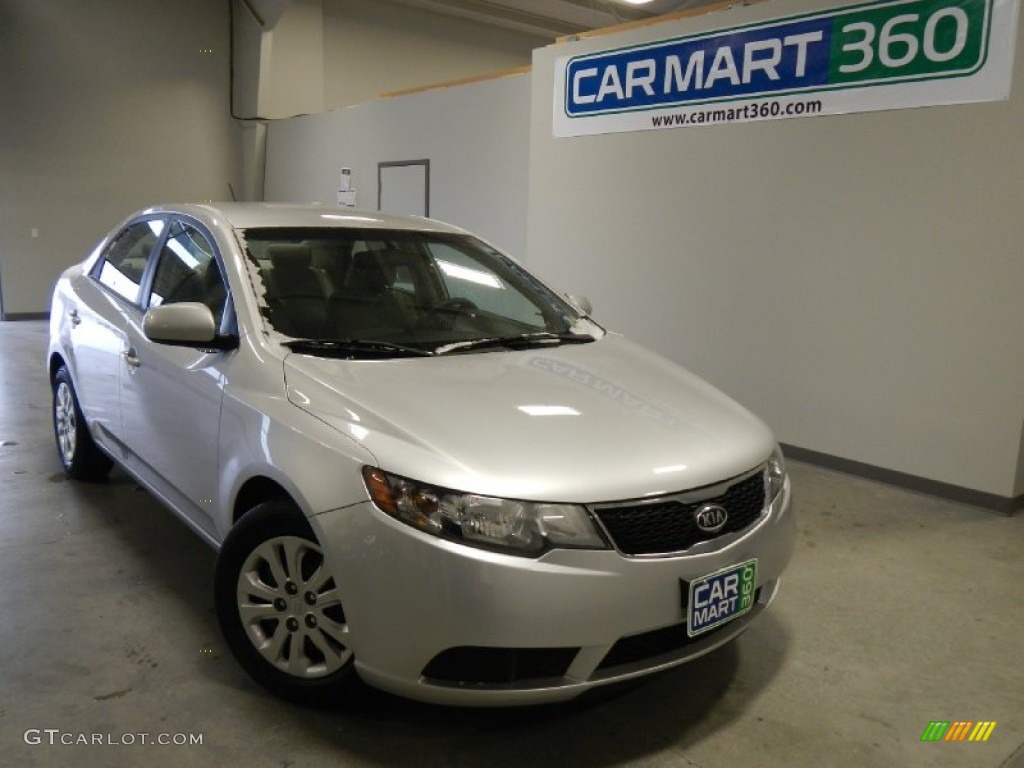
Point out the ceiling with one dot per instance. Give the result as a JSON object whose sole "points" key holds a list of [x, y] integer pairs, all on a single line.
{"points": [[553, 18]]}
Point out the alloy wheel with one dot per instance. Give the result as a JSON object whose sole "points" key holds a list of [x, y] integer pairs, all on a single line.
{"points": [[66, 423], [290, 610]]}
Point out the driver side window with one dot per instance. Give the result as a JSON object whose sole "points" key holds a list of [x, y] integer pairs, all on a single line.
{"points": [[188, 271]]}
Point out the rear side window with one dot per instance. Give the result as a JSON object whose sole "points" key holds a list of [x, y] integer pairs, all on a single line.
{"points": [[125, 260], [188, 271]]}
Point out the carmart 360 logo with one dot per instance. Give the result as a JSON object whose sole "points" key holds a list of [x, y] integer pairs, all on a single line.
{"points": [[958, 730], [885, 42]]}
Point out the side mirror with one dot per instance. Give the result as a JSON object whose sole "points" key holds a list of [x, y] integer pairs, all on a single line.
{"points": [[185, 324], [582, 303]]}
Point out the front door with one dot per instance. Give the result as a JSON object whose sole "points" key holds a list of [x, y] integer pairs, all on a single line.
{"points": [[171, 396]]}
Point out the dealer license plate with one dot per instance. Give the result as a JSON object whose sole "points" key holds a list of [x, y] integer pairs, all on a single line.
{"points": [[720, 597]]}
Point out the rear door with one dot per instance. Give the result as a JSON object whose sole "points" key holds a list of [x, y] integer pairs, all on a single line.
{"points": [[98, 307]]}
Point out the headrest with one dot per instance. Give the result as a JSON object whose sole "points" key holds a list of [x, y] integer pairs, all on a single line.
{"points": [[366, 273], [289, 256], [325, 256]]}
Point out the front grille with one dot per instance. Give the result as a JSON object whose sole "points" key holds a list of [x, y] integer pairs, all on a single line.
{"points": [[663, 527], [656, 643], [483, 666]]}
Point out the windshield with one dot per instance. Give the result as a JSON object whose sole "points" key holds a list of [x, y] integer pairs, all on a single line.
{"points": [[419, 290]]}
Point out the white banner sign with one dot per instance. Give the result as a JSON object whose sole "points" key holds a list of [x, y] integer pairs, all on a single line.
{"points": [[893, 54]]}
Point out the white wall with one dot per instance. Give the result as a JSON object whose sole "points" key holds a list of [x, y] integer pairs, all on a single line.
{"points": [[303, 157], [374, 46], [476, 137], [855, 280], [103, 112]]}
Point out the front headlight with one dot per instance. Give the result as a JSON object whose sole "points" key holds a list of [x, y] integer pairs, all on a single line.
{"points": [[775, 474], [517, 527]]}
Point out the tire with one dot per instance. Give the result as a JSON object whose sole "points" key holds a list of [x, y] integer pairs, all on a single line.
{"points": [[279, 609], [79, 455]]}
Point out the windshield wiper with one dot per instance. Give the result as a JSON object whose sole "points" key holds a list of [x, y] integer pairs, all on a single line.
{"points": [[354, 347], [522, 341]]}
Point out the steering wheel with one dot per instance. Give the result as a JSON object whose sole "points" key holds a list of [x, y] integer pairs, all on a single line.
{"points": [[454, 305], [451, 307]]}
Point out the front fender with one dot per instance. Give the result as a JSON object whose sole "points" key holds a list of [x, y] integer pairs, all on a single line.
{"points": [[317, 465]]}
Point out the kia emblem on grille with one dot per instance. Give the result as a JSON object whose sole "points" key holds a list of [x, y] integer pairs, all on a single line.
{"points": [[711, 518]]}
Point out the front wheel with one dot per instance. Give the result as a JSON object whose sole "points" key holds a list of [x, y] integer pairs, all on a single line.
{"points": [[279, 608], [79, 455]]}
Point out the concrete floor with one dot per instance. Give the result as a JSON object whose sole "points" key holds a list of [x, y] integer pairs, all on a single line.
{"points": [[898, 609]]}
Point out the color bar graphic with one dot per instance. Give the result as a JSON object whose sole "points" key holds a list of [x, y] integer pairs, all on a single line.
{"points": [[958, 730], [983, 730], [935, 731]]}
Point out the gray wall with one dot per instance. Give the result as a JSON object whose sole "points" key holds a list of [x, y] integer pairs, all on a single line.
{"points": [[278, 58], [103, 111], [855, 280], [373, 46], [476, 137], [111, 105]]}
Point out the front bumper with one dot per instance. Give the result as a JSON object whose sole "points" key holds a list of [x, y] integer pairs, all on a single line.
{"points": [[445, 623]]}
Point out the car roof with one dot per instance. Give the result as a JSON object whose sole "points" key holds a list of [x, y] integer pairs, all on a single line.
{"points": [[249, 215]]}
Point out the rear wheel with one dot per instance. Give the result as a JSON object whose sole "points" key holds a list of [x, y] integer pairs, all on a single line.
{"points": [[279, 608], [79, 455]]}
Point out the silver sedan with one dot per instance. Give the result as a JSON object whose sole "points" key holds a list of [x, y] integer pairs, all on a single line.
{"points": [[420, 465]]}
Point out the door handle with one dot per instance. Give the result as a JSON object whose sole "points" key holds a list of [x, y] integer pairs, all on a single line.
{"points": [[75, 319], [130, 358]]}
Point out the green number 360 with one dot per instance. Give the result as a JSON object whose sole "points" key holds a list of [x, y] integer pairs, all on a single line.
{"points": [[901, 39]]}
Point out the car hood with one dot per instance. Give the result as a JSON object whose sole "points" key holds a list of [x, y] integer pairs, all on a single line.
{"points": [[602, 421]]}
